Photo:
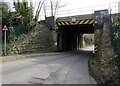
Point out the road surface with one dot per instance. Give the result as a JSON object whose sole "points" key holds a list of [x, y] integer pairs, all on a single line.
{"points": [[67, 68]]}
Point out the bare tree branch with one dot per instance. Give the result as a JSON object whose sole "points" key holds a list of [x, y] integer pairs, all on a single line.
{"points": [[40, 5], [45, 10], [51, 4], [55, 5]]}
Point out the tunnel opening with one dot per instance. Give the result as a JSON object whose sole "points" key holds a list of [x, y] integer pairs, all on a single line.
{"points": [[88, 40], [71, 37]]}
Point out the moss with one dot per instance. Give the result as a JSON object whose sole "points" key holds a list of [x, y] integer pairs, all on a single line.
{"points": [[106, 70]]}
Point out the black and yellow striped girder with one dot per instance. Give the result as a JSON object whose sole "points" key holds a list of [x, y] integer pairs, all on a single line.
{"points": [[78, 22]]}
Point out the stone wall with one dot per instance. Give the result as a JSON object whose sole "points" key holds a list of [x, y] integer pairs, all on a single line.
{"points": [[103, 39], [104, 64], [40, 39]]}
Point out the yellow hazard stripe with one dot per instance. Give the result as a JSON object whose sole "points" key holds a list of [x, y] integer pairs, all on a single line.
{"points": [[95, 50], [86, 21], [77, 22], [81, 22], [71, 23], [58, 23], [67, 23], [92, 21], [95, 46], [62, 23]]}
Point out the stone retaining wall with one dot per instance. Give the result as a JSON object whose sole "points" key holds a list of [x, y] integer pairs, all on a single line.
{"points": [[38, 40]]}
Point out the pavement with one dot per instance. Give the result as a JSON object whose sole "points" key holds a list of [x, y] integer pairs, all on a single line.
{"points": [[24, 56]]}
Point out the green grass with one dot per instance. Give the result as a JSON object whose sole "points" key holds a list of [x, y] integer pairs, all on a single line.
{"points": [[86, 46], [2, 47], [94, 63]]}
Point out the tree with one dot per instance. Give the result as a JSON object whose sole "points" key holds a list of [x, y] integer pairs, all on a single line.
{"points": [[40, 5], [24, 12], [5, 17], [53, 6], [22, 16], [5, 13], [48, 5]]}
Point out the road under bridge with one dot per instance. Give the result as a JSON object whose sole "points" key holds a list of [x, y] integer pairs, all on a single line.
{"points": [[71, 29]]}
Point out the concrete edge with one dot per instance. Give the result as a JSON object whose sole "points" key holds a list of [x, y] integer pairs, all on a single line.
{"points": [[26, 56]]}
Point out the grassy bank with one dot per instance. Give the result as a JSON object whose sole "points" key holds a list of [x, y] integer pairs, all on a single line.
{"points": [[84, 46], [105, 70]]}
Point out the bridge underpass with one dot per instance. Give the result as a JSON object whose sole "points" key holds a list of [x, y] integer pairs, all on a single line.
{"points": [[70, 33], [71, 29]]}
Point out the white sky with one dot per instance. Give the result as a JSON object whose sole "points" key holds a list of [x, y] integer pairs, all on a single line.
{"points": [[77, 4], [71, 4], [86, 3]]}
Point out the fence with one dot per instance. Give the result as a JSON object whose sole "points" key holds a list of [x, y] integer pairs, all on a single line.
{"points": [[115, 31]]}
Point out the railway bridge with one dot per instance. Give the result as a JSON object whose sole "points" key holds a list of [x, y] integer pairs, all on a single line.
{"points": [[70, 29]]}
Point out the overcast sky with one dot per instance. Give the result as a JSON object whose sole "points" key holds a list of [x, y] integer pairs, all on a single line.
{"points": [[86, 4], [79, 3]]}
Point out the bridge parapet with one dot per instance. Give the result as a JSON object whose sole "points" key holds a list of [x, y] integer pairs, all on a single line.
{"points": [[78, 22], [78, 17], [75, 20]]}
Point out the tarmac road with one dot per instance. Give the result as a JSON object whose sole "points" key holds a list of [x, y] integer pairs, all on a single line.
{"points": [[67, 68]]}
